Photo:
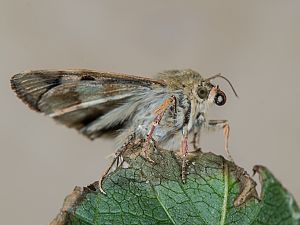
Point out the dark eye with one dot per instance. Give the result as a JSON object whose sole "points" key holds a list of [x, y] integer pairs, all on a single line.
{"points": [[220, 98], [202, 92]]}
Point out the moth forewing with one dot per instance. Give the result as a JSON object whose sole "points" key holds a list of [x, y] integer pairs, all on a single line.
{"points": [[78, 98]]}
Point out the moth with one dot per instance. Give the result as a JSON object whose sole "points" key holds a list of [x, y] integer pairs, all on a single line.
{"points": [[167, 110]]}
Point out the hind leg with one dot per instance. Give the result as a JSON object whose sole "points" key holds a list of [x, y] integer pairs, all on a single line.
{"points": [[116, 159], [159, 112]]}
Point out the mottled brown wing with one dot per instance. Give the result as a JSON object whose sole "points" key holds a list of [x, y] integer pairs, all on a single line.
{"points": [[79, 98]]}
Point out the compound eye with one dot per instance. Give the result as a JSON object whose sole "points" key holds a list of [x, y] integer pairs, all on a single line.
{"points": [[220, 98], [202, 92]]}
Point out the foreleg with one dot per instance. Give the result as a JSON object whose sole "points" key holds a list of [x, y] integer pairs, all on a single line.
{"points": [[222, 124]]}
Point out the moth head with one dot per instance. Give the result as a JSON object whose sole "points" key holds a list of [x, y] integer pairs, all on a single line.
{"points": [[212, 92]]}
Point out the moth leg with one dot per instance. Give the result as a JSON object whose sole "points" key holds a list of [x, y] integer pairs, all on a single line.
{"points": [[183, 153], [223, 124], [226, 138], [160, 111], [195, 141], [116, 159]]}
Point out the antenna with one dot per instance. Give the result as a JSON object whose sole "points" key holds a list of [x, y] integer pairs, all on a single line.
{"points": [[228, 81]]}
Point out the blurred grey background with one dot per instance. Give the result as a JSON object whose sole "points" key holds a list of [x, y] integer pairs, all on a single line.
{"points": [[254, 43]]}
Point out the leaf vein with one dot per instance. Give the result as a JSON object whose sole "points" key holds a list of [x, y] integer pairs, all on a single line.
{"points": [[164, 208], [225, 199]]}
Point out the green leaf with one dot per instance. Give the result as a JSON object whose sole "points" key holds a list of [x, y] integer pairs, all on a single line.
{"points": [[216, 192]]}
